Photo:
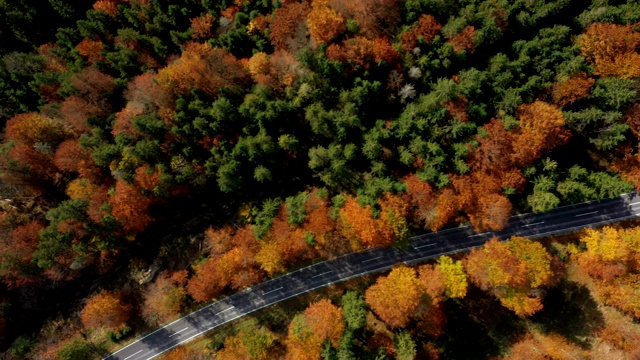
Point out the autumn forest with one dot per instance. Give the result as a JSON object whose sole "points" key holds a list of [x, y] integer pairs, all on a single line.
{"points": [[157, 155]]}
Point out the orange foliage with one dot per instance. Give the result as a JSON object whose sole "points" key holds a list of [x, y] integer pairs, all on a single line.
{"points": [[318, 221], [124, 120], [285, 21], [108, 6], [362, 51], [427, 28], [130, 207], [324, 22], [91, 50], [464, 40], [80, 189], [623, 293], [165, 297], [572, 89], [511, 270], [358, 222], [541, 129], [105, 310], [31, 128], [202, 67], [184, 353], [259, 23], [394, 297], [321, 321], [259, 68], [201, 26], [230, 12], [51, 61], [147, 178], [612, 49], [536, 346], [283, 245]]}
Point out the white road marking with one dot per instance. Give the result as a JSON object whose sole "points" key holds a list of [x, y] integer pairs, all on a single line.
{"points": [[635, 203], [324, 273], [225, 310], [274, 290], [421, 246], [373, 258], [585, 214], [133, 355], [178, 332], [534, 224], [484, 233]]}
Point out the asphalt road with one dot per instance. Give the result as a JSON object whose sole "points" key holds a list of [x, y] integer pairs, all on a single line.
{"points": [[558, 221]]}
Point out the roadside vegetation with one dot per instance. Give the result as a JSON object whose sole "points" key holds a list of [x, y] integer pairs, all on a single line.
{"points": [[157, 155]]}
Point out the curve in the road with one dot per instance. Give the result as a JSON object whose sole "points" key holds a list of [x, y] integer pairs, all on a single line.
{"points": [[558, 221]]}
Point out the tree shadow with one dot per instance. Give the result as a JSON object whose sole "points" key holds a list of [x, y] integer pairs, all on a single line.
{"points": [[570, 310]]}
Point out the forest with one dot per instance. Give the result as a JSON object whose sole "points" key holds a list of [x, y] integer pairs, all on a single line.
{"points": [[157, 155]]}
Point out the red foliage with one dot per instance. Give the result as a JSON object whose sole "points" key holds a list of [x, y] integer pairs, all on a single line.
{"points": [[16, 251], [375, 18], [51, 61], [124, 120], [38, 162], [130, 207], [97, 201], [92, 85], [458, 108], [464, 40], [422, 198], [76, 111], [285, 21], [427, 28]]}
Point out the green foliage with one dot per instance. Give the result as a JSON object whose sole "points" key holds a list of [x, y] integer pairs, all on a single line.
{"points": [[78, 349], [405, 346], [21, 347], [296, 211], [354, 309], [264, 217]]}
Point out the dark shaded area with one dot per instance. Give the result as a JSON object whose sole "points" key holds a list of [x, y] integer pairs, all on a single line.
{"points": [[570, 310]]}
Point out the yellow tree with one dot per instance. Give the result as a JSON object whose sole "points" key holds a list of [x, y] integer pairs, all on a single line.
{"points": [[394, 297], [445, 280], [324, 22]]}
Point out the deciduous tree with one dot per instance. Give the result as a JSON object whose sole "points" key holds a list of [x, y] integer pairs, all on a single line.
{"points": [[324, 22], [285, 21], [165, 297], [394, 297], [130, 207], [612, 49], [105, 310]]}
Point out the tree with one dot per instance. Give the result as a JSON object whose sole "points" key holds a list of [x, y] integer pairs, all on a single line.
{"points": [[165, 297], [105, 310], [201, 26], [426, 28], [130, 207], [92, 85], [375, 18], [362, 52], [285, 21], [405, 346], [394, 297], [445, 280], [571, 89], [320, 322], [542, 127], [251, 343], [358, 222], [91, 50], [511, 271], [324, 22], [34, 128], [464, 40], [611, 48], [202, 67], [354, 309], [77, 349]]}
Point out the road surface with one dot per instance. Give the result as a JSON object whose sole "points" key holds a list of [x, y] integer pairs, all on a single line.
{"points": [[558, 221]]}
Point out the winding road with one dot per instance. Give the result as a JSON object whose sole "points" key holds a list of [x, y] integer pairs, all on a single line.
{"points": [[558, 221]]}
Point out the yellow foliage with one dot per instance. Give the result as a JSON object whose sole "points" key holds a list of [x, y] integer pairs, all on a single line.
{"points": [[606, 244], [535, 257], [454, 277], [80, 189], [324, 23], [269, 257]]}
